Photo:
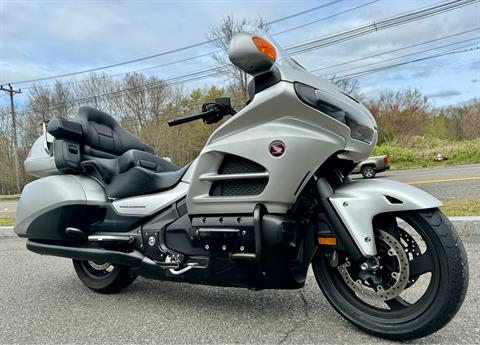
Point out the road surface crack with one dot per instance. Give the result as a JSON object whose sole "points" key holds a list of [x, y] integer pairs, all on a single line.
{"points": [[300, 323]]}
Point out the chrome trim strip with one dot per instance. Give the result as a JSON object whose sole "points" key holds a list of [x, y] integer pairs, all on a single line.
{"points": [[217, 177]]}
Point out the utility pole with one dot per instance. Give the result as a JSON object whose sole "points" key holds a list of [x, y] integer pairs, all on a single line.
{"points": [[12, 92]]}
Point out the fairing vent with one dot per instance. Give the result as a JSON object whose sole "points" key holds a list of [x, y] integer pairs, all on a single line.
{"points": [[238, 187], [237, 165], [243, 185]]}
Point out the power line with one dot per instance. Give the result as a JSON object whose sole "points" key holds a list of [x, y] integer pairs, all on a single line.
{"points": [[325, 18], [389, 22], [383, 24], [395, 50], [410, 54], [212, 53], [168, 52], [375, 70], [192, 77], [197, 75], [318, 40]]}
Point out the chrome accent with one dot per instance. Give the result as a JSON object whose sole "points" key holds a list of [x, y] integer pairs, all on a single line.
{"points": [[218, 177], [99, 267], [151, 241], [218, 230], [110, 238], [183, 270]]}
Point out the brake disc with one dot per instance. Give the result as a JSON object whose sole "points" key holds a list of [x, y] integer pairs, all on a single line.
{"points": [[400, 278], [411, 247]]}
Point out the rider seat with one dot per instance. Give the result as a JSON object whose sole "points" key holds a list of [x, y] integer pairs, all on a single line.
{"points": [[119, 160]]}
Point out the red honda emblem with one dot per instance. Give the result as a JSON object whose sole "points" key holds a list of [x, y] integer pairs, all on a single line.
{"points": [[277, 148]]}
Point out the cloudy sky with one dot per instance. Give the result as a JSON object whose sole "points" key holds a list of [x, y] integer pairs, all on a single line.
{"points": [[47, 38]]}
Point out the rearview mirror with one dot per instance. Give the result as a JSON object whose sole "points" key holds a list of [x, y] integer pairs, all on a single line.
{"points": [[252, 54]]}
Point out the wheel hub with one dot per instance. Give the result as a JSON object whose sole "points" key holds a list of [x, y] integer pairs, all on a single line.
{"points": [[388, 279]]}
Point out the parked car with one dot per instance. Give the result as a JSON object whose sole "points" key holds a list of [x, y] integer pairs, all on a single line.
{"points": [[371, 166]]}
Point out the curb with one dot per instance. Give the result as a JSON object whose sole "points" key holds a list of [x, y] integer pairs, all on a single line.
{"points": [[466, 226], [7, 231]]}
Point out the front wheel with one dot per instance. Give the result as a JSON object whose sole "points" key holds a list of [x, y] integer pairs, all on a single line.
{"points": [[413, 286], [103, 277], [368, 171]]}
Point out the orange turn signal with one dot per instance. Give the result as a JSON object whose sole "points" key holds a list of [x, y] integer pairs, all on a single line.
{"points": [[265, 47], [327, 241]]}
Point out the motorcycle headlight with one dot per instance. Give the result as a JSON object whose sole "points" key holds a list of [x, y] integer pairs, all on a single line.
{"points": [[361, 127]]}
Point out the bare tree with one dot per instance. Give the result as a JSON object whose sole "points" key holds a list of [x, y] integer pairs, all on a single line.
{"points": [[349, 86]]}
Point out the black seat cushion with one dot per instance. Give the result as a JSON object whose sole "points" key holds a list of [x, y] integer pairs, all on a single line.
{"points": [[134, 173], [103, 135], [138, 181], [119, 160]]}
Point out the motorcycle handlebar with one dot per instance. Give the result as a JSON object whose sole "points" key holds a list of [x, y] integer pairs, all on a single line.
{"points": [[180, 120]]}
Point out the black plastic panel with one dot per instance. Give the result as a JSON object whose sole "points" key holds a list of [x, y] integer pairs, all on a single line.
{"points": [[237, 165], [238, 187]]}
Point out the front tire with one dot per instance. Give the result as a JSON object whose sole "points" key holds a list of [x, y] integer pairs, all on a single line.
{"points": [[443, 260], [103, 277]]}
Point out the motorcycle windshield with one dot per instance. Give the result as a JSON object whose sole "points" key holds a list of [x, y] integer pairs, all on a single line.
{"points": [[283, 59]]}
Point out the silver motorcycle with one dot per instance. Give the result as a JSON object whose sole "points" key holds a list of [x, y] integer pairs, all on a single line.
{"points": [[268, 195]]}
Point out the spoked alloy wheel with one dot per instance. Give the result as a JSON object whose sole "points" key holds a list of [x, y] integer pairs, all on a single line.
{"points": [[413, 286], [103, 277], [368, 171]]}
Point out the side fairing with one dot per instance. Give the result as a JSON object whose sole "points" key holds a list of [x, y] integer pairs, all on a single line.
{"points": [[275, 114]]}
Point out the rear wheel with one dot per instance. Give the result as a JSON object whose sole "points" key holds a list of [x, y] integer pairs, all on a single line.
{"points": [[368, 171], [103, 277], [413, 286]]}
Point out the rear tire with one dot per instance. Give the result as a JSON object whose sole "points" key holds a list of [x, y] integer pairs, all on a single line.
{"points": [[103, 277], [402, 319], [368, 171]]}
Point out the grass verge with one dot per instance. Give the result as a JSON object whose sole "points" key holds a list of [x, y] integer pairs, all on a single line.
{"points": [[421, 152], [7, 221], [462, 208]]}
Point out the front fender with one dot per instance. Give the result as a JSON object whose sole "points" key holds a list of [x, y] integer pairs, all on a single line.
{"points": [[358, 202]]}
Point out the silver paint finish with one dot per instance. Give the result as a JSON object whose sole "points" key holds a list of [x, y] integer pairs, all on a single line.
{"points": [[358, 202], [48, 193], [274, 114], [145, 205], [40, 163], [244, 54]]}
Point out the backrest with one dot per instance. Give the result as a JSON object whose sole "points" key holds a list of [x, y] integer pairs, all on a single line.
{"points": [[103, 135]]}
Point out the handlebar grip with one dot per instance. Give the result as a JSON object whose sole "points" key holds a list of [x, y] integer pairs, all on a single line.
{"points": [[180, 120]]}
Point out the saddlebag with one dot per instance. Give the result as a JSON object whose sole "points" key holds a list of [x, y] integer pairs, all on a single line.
{"points": [[49, 205]]}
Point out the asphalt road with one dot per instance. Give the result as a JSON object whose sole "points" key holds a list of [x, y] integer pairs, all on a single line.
{"points": [[445, 183], [456, 182], [43, 302]]}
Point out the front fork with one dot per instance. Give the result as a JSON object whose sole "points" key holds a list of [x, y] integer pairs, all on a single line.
{"points": [[335, 223], [352, 207]]}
